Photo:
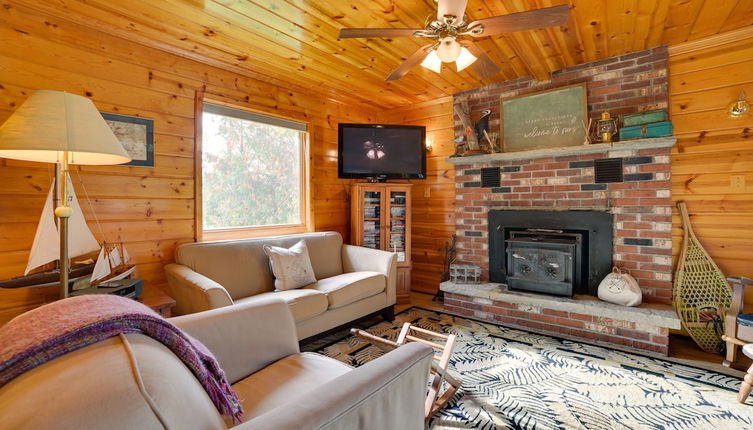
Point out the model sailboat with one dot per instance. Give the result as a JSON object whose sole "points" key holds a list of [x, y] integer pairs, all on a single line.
{"points": [[45, 249]]}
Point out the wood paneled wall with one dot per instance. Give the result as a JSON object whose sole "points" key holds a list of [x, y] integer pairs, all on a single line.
{"points": [[150, 209], [434, 197], [713, 148]]}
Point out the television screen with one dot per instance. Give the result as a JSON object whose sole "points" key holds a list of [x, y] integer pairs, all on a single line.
{"points": [[381, 151]]}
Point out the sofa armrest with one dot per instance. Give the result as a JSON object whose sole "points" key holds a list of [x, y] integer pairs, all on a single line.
{"points": [[245, 337], [194, 292], [359, 258], [387, 393]]}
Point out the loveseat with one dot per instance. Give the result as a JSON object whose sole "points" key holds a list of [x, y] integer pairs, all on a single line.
{"points": [[352, 281], [134, 382]]}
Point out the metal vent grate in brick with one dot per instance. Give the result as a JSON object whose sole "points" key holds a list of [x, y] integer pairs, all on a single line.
{"points": [[608, 170], [490, 177]]}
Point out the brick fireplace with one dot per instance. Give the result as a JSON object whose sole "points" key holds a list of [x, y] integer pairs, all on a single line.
{"points": [[641, 205], [564, 181]]}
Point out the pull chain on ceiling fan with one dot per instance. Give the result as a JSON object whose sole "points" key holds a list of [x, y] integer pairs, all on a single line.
{"points": [[450, 32]]}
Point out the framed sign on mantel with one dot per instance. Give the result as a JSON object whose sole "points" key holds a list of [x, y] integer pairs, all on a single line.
{"points": [[546, 119]]}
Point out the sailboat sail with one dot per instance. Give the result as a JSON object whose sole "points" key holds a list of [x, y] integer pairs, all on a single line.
{"points": [[46, 246], [102, 268], [81, 240], [109, 262], [115, 257], [126, 257]]}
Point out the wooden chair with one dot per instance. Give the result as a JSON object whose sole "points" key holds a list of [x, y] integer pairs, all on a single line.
{"points": [[435, 399], [738, 326]]}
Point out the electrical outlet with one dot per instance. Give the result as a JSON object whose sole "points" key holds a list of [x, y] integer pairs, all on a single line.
{"points": [[427, 192], [737, 183]]}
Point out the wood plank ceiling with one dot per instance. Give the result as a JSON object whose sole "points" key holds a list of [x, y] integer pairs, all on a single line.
{"points": [[294, 42]]}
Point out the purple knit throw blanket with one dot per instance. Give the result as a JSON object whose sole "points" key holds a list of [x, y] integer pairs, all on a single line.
{"points": [[55, 329]]}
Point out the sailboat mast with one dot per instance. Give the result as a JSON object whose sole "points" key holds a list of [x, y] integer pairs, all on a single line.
{"points": [[107, 255]]}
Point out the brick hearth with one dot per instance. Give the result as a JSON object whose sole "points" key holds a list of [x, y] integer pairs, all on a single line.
{"points": [[644, 328]]}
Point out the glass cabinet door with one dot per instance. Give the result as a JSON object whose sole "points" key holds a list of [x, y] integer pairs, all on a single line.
{"points": [[372, 212], [397, 224]]}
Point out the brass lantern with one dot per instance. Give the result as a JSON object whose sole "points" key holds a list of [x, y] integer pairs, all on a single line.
{"points": [[607, 127]]}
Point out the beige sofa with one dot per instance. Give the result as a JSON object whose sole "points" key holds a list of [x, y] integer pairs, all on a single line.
{"points": [[352, 281], [134, 382]]}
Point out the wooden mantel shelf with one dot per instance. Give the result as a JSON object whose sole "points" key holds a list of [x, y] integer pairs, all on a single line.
{"points": [[656, 142]]}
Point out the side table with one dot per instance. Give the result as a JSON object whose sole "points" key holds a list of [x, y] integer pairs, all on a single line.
{"points": [[158, 300]]}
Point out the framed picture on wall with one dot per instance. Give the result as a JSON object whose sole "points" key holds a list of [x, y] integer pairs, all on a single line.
{"points": [[544, 119], [136, 135]]}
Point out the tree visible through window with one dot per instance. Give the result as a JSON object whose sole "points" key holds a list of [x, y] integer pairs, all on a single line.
{"points": [[251, 173]]}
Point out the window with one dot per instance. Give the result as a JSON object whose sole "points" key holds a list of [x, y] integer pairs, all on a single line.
{"points": [[253, 171]]}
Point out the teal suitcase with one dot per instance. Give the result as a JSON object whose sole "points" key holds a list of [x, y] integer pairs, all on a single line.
{"points": [[645, 131], [648, 117]]}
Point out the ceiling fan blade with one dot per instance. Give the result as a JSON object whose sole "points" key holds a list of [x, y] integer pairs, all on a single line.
{"points": [[414, 59], [451, 7], [483, 66], [520, 21], [349, 33]]}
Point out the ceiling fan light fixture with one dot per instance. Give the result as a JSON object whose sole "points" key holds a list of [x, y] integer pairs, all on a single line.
{"points": [[448, 49], [465, 59], [432, 62]]}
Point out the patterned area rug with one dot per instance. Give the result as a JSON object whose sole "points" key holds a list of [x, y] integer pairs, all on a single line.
{"points": [[518, 380]]}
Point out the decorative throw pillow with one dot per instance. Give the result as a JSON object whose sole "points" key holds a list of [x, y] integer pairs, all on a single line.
{"points": [[291, 266]]}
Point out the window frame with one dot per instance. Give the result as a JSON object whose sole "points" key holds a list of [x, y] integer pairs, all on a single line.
{"points": [[200, 233]]}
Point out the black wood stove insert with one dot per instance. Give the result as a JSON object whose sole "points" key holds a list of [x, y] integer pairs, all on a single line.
{"points": [[553, 252], [542, 260]]}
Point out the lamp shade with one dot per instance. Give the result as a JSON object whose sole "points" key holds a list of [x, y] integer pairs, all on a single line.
{"points": [[50, 123]]}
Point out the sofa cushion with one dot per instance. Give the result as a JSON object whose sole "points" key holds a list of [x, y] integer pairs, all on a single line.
{"points": [[289, 377], [242, 267], [291, 266], [347, 288], [325, 251], [303, 303]]}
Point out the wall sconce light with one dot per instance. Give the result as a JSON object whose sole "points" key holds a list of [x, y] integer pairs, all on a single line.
{"points": [[738, 108], [428, 146]]}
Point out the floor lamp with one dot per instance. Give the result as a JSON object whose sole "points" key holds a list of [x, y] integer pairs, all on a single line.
{"points": [[62, 128]]}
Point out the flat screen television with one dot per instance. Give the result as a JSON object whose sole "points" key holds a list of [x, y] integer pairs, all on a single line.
{"points": [[381, 151]]}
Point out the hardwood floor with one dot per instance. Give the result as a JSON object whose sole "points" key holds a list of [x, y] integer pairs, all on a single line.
{"points": [[682, 349]]}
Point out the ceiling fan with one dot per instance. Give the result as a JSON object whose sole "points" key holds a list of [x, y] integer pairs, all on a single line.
{"points": [[449, 32]]}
